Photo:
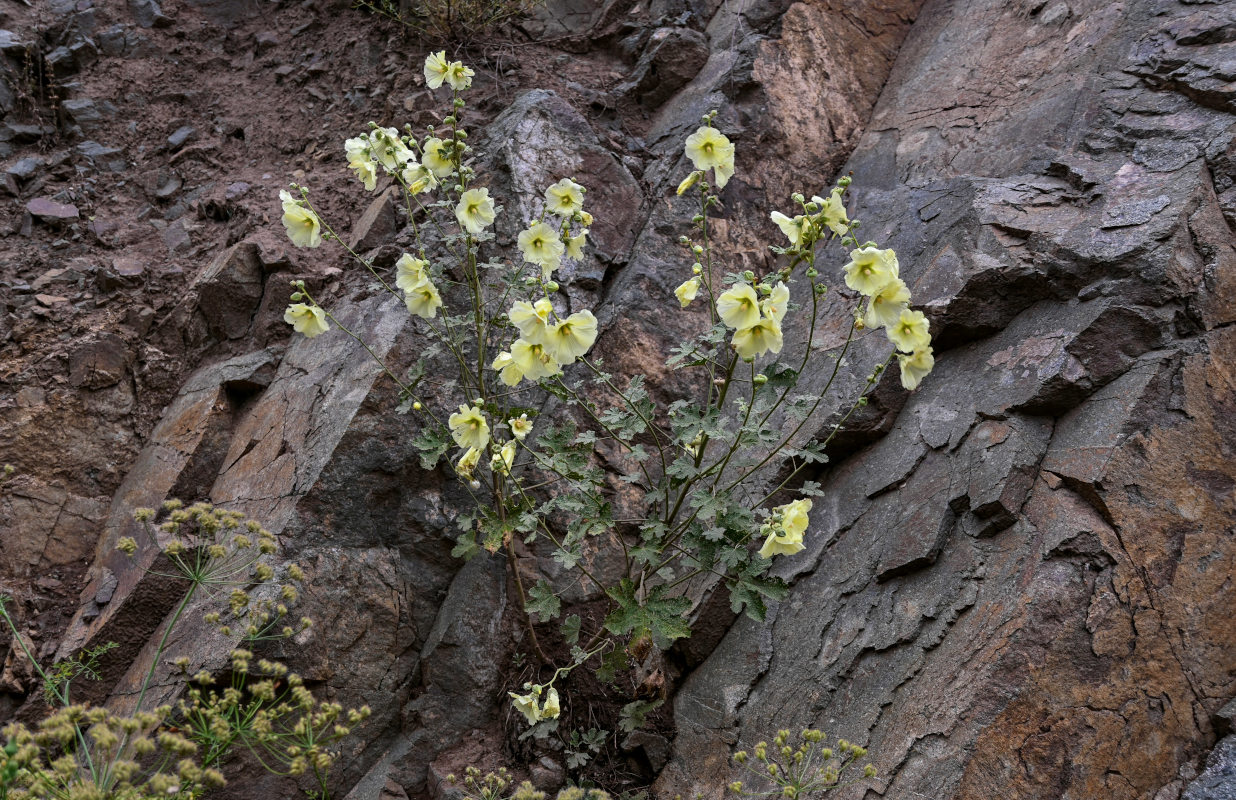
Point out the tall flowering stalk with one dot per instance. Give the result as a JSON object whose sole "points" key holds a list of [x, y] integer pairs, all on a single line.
{"points": [[500, 323]]}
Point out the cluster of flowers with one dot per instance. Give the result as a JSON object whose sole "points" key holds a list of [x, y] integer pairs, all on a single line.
{"points": [[531, 706], [546, 343], [784, 529], [812, 768], [873, 273], [470, 430]]}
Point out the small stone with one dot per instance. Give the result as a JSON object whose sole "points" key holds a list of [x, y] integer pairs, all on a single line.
{"points": [[50, 300], [148, 14], [182, 135], [265, 40], [94, 150], [83, 112], [25, 169], [107, 587], [177, 238], [47, 209], [236, 190], [98, 364]]}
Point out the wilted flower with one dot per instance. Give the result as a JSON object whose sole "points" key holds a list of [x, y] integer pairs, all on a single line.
{"points": [[686, 291], [915, 367]]}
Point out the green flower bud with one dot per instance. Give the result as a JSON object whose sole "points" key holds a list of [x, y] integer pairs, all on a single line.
{"points": [[760, 379], [551, 286]]}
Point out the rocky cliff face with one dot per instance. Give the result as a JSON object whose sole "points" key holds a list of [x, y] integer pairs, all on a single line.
{"points": [[1019, 582]]}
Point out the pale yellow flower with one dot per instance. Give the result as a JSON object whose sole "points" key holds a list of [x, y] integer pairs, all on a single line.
{"points": [[469, 428], [409, 271], [870, 269], [781, 543], [686, 291], [762, 337], [436, 69], [437, 157], [286, 198], [521, 426], [832, 212], [708, 148], [459, 76], [357, 147], [739, 306], [794, 516], [306, 319], [533, 361], [572, 337], [774, 306], [389, 149], [366, 171], [791, 227], [532, 319], [303, 226], [910, 332], [915, 367], [540, 245], [423, 299], [509, 371], [575, 245], [585, 218], [886, 305], [475, 210], [526, 704], [419, 178], [551, 708], [467, 462], [564, 197]]}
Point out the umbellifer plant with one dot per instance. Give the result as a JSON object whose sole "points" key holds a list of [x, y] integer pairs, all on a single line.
{"points": [[497, 338], [175, 752]]}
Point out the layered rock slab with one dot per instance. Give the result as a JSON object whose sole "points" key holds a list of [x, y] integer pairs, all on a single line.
{"points": [[1021, 588]]}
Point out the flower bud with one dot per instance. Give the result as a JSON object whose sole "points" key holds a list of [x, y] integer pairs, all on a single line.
{"points": [[689, 181], [696, 269], [296, 297], [797, 197], [748, 275], [417, 406], [449, 120], [869, 771], [551, 286], [736, 786], [695, 248], [760, 379], [845, 181], [813, 273]]}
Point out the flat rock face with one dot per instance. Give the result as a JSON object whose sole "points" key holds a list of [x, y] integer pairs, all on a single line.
{"points": [[1024, 588]]}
